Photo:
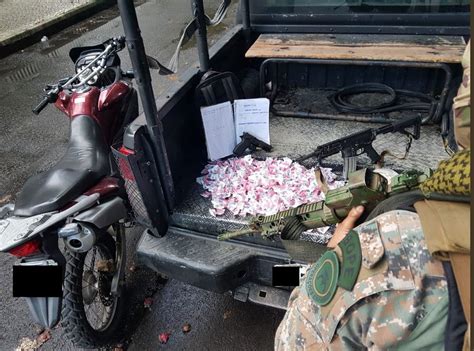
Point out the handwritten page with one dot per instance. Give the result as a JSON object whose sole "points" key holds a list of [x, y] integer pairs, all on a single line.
{"points": [[218, 121], [252, 116]]}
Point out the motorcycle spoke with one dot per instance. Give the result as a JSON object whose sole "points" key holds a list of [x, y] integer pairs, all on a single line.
{"points": [[95, 313], [94, 251], [99, 308], [86, 284], [88, 307], [96, 304], [102, 314], [91, 265]]}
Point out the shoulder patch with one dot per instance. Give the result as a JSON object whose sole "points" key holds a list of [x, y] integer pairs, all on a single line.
{"points": [[351, 260], [321, 282]]}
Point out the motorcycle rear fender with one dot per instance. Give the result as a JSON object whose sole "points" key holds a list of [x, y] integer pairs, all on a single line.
{"points": [[12, 238], [45, 311]]}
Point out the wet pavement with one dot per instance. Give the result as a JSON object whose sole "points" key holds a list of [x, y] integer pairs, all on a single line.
{"points": [[29, 144]]}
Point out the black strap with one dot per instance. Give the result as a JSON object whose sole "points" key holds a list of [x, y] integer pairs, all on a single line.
{"points": [[187, 34], [403, 201], [191, 27], [456, 326]]}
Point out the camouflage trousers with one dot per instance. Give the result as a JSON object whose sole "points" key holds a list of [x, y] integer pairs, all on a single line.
{"points": [[400, 291]]}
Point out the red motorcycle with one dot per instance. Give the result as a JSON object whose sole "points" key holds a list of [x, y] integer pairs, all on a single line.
{"points": [[80, 200]]}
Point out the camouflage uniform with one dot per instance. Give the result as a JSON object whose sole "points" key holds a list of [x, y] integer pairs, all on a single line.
{"points": [[401, 292], [400, 300]]}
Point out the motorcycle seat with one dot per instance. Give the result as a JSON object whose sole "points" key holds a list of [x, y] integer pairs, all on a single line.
{"points": [[85, 162]]}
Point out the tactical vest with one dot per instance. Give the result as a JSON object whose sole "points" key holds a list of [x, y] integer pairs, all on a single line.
{"points": [[446, 222], [443, 206]]}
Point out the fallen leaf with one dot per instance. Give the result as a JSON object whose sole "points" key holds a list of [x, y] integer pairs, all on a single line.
{"points": [[105, 266], [4, 199], [43, 337], [26, 344], [186, 328], [148, 302], [164, 337], [227, 314]]}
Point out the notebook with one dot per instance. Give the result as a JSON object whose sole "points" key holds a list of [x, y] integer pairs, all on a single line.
{"points": [[224, 124]]}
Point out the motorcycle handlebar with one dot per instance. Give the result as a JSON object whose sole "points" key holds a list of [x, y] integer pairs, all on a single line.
{"points": [[41, 105], [114, 45]]}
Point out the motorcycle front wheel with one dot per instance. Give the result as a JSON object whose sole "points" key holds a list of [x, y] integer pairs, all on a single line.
{"points": [[92, 316]]}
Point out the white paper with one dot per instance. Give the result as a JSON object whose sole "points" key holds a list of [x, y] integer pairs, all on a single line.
{"points": [[252, 116], [218, 121]]}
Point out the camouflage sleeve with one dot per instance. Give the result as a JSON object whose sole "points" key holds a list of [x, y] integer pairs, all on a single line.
{"points": [[299, 328], [399, 285]]}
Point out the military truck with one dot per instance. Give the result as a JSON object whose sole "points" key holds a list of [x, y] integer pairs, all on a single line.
{"points": [[301, 55]]}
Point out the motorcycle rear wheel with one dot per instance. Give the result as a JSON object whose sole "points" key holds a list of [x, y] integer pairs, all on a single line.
{"points": [[86, 286]]}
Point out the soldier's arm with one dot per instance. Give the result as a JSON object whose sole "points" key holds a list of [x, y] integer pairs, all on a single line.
{"points": [[299, 328]]}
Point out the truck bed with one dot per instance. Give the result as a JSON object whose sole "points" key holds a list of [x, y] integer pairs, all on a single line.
{"points": [[293, 137]]}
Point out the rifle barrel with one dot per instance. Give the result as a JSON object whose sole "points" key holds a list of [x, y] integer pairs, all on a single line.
{"points": [[397, 126], [231, 235]]}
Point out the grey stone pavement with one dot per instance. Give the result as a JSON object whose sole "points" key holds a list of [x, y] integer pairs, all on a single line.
{"points": [[29, 144], [16, 16]]}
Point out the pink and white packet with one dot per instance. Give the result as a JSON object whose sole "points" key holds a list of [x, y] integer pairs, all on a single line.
{"points": [[247, 186]]}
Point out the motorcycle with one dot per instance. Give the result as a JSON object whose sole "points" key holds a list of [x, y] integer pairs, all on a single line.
{"points": [[80, 200]]}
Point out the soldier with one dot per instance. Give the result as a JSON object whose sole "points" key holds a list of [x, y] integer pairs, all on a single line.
{"points": [[393, 282]]}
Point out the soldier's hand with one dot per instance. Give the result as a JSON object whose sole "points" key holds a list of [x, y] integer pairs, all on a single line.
{"points": [[345, 226]]}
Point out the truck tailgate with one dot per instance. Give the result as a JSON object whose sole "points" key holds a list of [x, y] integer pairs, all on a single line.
{"points": [[204, 262]]}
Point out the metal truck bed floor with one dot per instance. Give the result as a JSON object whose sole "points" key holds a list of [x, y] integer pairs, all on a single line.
{"points": [[293, 137]]}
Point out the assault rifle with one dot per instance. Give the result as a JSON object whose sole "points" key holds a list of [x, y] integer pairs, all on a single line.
{"points": [[360, 143], [364, 187]]}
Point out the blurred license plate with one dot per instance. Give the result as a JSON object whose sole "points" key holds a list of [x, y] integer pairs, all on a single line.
{"points": [[286, 275], [37, 281]]}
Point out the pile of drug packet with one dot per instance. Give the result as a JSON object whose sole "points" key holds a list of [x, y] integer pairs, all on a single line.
{"points": [[248, 186]]}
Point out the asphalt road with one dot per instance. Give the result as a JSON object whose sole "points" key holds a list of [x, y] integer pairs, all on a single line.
{"points": [[29, 144]]}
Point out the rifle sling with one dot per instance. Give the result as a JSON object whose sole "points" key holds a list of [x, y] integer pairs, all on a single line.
{"points": [[321, 181], [407, 150]]}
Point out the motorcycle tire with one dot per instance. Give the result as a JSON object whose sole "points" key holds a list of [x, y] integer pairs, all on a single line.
{"points": [[75, 323]]}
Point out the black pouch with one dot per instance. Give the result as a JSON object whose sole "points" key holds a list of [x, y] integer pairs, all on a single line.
{"points": [[216, 87]]}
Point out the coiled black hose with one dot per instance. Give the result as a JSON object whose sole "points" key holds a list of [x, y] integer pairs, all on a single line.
{"points": [[340, 100]]}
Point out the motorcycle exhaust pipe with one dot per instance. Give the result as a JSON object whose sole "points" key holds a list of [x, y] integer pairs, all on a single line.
{"points": [[77, 237]]}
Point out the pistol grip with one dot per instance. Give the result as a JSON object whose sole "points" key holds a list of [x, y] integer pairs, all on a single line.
{"points": [[240, 148], [373, 155]]}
